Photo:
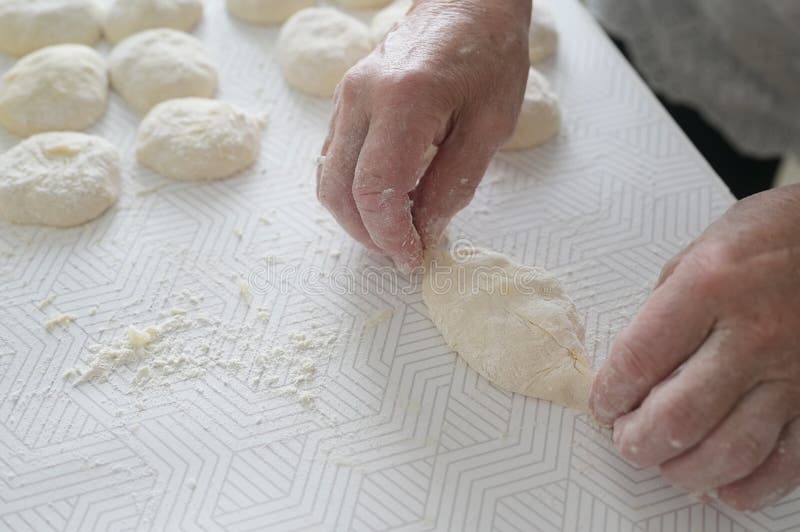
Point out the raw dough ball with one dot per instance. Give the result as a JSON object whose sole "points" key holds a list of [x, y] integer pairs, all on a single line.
{"points": [[362, 4], [27, 25], [543, 36], [194, 139], [317, 46], [266, 11], [383, 22], [511, 323], [539, 118], [60, 87], [58, 179], [157, 65], [126, 17]]}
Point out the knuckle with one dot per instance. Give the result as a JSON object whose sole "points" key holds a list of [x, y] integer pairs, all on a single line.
{"points": [[712, 269], [405, 83], [350, 88]]}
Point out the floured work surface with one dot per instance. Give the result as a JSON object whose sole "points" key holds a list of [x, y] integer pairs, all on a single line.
{"points": [[279, 378]]}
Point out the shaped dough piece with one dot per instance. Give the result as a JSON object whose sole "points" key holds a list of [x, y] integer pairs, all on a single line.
{"points": [[266, 12], [543, 35], [317, 46], [58, 179], [194, 139], [27, 25], [157, 65], [62, 87], [540, 116], [362, 4], [383, 22], [511, 323], [126, 17]]}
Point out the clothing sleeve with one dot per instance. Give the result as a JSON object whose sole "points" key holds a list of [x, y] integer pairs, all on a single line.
{"points": [[736, 61]]}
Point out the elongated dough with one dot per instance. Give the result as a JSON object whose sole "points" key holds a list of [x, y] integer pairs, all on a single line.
{"points": [[511, 323]]}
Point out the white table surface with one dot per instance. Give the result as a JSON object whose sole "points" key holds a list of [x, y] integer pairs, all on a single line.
{"points": [[399, 434]]}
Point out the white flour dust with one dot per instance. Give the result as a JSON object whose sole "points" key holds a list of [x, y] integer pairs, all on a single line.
{"points": [[186, 345]]}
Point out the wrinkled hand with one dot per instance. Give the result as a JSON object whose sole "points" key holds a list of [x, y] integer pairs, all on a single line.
{"points": [[452, 75], [705, 381]]}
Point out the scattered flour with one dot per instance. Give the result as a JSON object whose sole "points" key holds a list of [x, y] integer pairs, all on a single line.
{"points": [[45, 302], [244, 289], [188, 345], [294, 366], [59, 319]]}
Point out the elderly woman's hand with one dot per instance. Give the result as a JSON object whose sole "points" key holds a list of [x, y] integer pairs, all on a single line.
{"points": [[452, 75], [705, 382]]}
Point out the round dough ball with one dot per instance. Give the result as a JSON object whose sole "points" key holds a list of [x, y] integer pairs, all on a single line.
{"points": [[157, 65], [27, 25], [126, 17], [266, 11], [61, 87], [543, 36], [362, 4], [194, 139], [59, 179], [540, 116], [317, 46], [511, 323], [384, 21]]}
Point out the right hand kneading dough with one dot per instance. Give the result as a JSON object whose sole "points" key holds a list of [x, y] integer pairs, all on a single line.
{"points": [[27, 25], [511, 323], [195, 139], [317, 46], [58, 179], [126, 17], [266, 11], [62, 87], [157, 65]]}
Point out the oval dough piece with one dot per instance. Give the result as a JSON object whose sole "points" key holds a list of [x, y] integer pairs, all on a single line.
{"points": [[58, 179], [126, 17], [195, 139], [383, 22], [362, 4], [27, 25], [266, 11], [511, 323], [61, 87], [157, 65], [543, 35], [540, 116], [317, 46]]}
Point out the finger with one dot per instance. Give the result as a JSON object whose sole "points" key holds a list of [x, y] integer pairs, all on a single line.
{"points": [[669, 327], [739, 444], [450, 181], [335, 182], [683, 410], [775, 478], [387, 171]]}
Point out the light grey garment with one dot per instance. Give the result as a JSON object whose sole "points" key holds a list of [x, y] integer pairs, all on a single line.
{"points": [[736, 61]]}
